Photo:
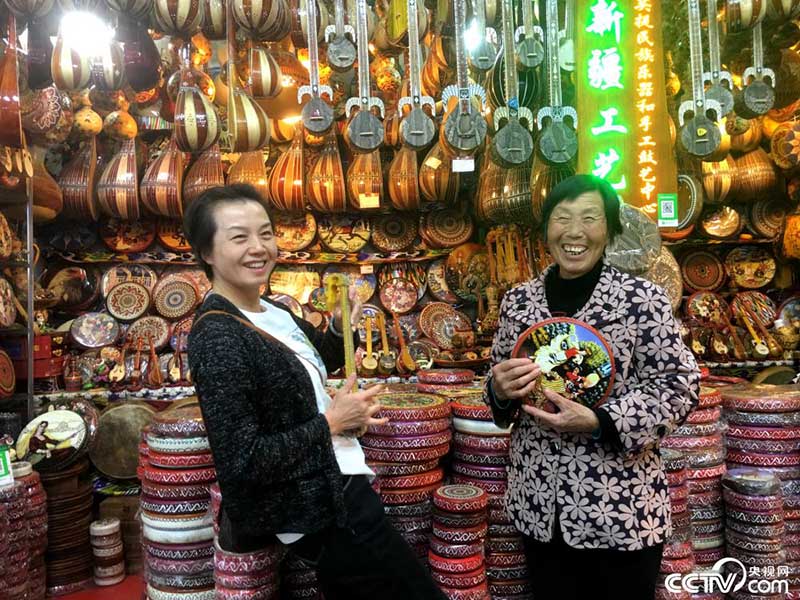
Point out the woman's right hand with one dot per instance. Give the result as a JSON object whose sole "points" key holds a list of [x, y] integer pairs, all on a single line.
{"points": [[515, 378], [349, 410]]}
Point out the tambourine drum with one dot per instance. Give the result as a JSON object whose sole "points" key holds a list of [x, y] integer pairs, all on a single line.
{"points": [[437, 284], [393, 233], [75, 287], [343, 233], [116, 449], [170, 235], [294, 232], [750, 266], [127, 301], [127, 236], [297, 281], [446, 228], [94, 330], [576, 361], [767, 217], [8, 379], [147, 327], [721, 223], [175, 299], [398, 295], [707, 307], [467, 271], [53, 440], [702, 271], [133, 272]]}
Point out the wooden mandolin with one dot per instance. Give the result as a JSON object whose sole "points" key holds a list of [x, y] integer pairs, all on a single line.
{"points": [[405, 362], [155, 378], [136, 373], [387, 362], [720, 83], [117, 373], [757, 97], [530, 49], [317, 115], [369, 364], [286, 177], [341, 50], [417, 128], [365, 181], [404, 180]]}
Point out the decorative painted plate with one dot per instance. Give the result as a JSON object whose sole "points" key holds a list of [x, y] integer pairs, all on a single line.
{"points": [[94, 330], [370, 310], [759, 304], [52, 440], [576, 361], [447, 326], [150, 326], [71, 237], [721, 222], [289, 302], [343, 233], [133, 272], [170, 235], [437, 285], [708, 307], [317, 300], [8, 310], [294, 232], [297, 281], [433, 312], [638, 246], [8, 379], [127, 301], [750, 266], [409, 325], [393, 233], [702, 271], [6, 238], [767, 217], [666, 273], [75, 287], [201, 282], [83, 407], [175, 299], [167, 279], [127, 236], [446, 228], [467, 271], [183, 326], [365, 282], [398, 295], [789, 311]]}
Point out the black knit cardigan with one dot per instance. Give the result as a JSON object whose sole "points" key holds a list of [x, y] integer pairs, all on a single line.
{"points": [[272, 447]]}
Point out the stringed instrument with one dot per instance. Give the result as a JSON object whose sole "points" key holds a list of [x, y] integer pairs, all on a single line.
{"points": [[286, 177], [154, 377], [398, 21], [337, 288], [700, 135], [325, 189], [197, 126], [404, 180], [483, 52], [760, 349], [530, 49], [369, 364], [774, 348], [757, 97], [365, 181], [136, 373], [176, 364], [417, 129], [117, 373], [161, 188], [716, 77], [341, 50], [739, 351], [566, 44], [364, 132], [405, 362], [387, 362], [317, 115], [77, 183], [10, 115], [464, 128], [512, 144], [558, 143]]}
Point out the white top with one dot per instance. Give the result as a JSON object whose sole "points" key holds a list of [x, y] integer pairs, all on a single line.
{"points": [[279, 324]]}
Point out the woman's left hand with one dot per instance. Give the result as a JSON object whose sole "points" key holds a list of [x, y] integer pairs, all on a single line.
{"points": [[572, 417], [356, 308]]}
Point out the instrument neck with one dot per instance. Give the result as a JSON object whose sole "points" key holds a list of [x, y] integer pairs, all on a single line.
{"points": [[460, 21], [569, 19], [758, 49], [363, 53], [696, 52], [349, 349], [479, 9], [414, 54], [313, 46], [551, 50], [338, 15], [527, 18], [511, 78], [713, 40]]}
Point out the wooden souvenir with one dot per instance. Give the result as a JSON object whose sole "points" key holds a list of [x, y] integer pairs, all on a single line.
{"points": [[718, 178], [142, 61], [205, 173], [748, 140], [71, 71], [720, 81], [791, 235], [483, 52], [702, 271], [417, 128], [757, 96], [94, 330], [128, 301], [250, 169], [108, 71], [118, 186], [250, 128], [77, 183], [437, 181], [47, 200], [260, 18], [700, 135], [783, 146], [369, 362], [337, 294], [154, 379], [364, 283], [742, 15], [755, 176], [286, 178], [364, 131], [316, 114], [178, 17], [750, 266], [197, 126], [405, 362], [767, 217], [8, 307], [437, 284], [343, 233], [638, 246], [214, 15], [294, 232], [445, 228], [403, 180], [341, 50], [759, 304], [161, 188], [115, 453], [394, 232], [175, 299], [365, 181], [721, 223], [126, 236], [265, 77], [52, 440], [326, 189]]}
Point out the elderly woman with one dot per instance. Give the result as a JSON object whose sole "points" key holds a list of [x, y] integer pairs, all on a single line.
{"points": [[587, 487], [285, 465]]}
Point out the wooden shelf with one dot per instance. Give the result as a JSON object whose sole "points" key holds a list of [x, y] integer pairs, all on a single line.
{"points": [[751, 364]]}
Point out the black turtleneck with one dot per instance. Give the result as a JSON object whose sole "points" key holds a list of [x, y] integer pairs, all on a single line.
{"points": [[565, 297]]}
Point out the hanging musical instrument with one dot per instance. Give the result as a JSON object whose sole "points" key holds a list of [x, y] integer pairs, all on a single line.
{"points": [[326, 191], [716, 76], [265, 78], [154, 376], [700, 135], [136, 372], [341, 50], [566, 45], [739, 352], [364, 132], [558, 143], [437, 181], [369, 364], [512, 144], [161, 189], [286, 177], [404, 180], [530, 49], [118, 186], [317, 115], [117, 373], [398, 21], [10, 116], [205, 173], [417, 129], [387, 361], [757, 97], [365, 181], [483, 52], [77, 183], [405, 362], [337, 288], [464, 128]]}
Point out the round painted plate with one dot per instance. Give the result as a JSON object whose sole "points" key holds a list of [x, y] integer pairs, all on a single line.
{"points": [[767, 217], [437, 285], [170, 235], [789, 311], [94, 330], [297, 281], [183, 326], [721, 222], [175, 299], [342, 233], [707, 307], [750, 266], [365, 282], [370, 310], [294, 232], [317, 300], [702, 271], [127, 236], [147, 327], [6, 238], [83, 407], [289, 302], [445, 327], [75, 287], [393, 233], [167, 279], [52, 440], [759, 304], [8, 310], [120, 273], [666, 273], [576, 361], [467, 271], [8, 379], [638, 246], [398, 295], [127, 301], [433, 312], [200, 280], [446, 228]]}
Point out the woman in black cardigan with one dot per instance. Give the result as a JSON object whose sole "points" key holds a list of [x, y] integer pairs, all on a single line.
{"points": [[283, 465]]}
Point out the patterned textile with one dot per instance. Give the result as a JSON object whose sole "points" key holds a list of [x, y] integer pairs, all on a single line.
{"points": [[605, 498]]}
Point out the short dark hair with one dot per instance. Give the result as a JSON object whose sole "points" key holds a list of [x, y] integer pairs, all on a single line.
{"points": [[199, 225], [574, 186]]}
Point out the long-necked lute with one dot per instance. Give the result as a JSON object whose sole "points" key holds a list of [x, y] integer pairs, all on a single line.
{"points": [[716, 77], [417, 128], [341, 50], [757, 97], [530, 49], [483, 52], [317, 115]]}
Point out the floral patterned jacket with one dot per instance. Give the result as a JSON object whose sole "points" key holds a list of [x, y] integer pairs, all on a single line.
{"points": [[605, 497]]}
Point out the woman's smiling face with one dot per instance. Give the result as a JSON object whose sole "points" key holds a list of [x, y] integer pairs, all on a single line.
{"points": [[577, 234]]}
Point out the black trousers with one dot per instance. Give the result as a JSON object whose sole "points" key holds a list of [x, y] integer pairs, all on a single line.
{"points": [[561, 572]]}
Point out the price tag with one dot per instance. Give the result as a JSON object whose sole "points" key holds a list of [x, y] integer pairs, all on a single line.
{"points": [[367, 269], [463, 165], [369, 201], [668, 210]]}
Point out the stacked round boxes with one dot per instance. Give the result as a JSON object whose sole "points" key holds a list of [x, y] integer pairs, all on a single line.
{"points": [[405, 456], [754, 520], [456, 555], [14, 502], [109, 559], [36, 516], [444, 381], [177, 525], [678, 556], [248, 575], [701, 442]]}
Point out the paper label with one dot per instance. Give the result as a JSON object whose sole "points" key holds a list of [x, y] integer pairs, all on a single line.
{"points": [[463, 165], [6, 475], [369, 201], [668, 210]]}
